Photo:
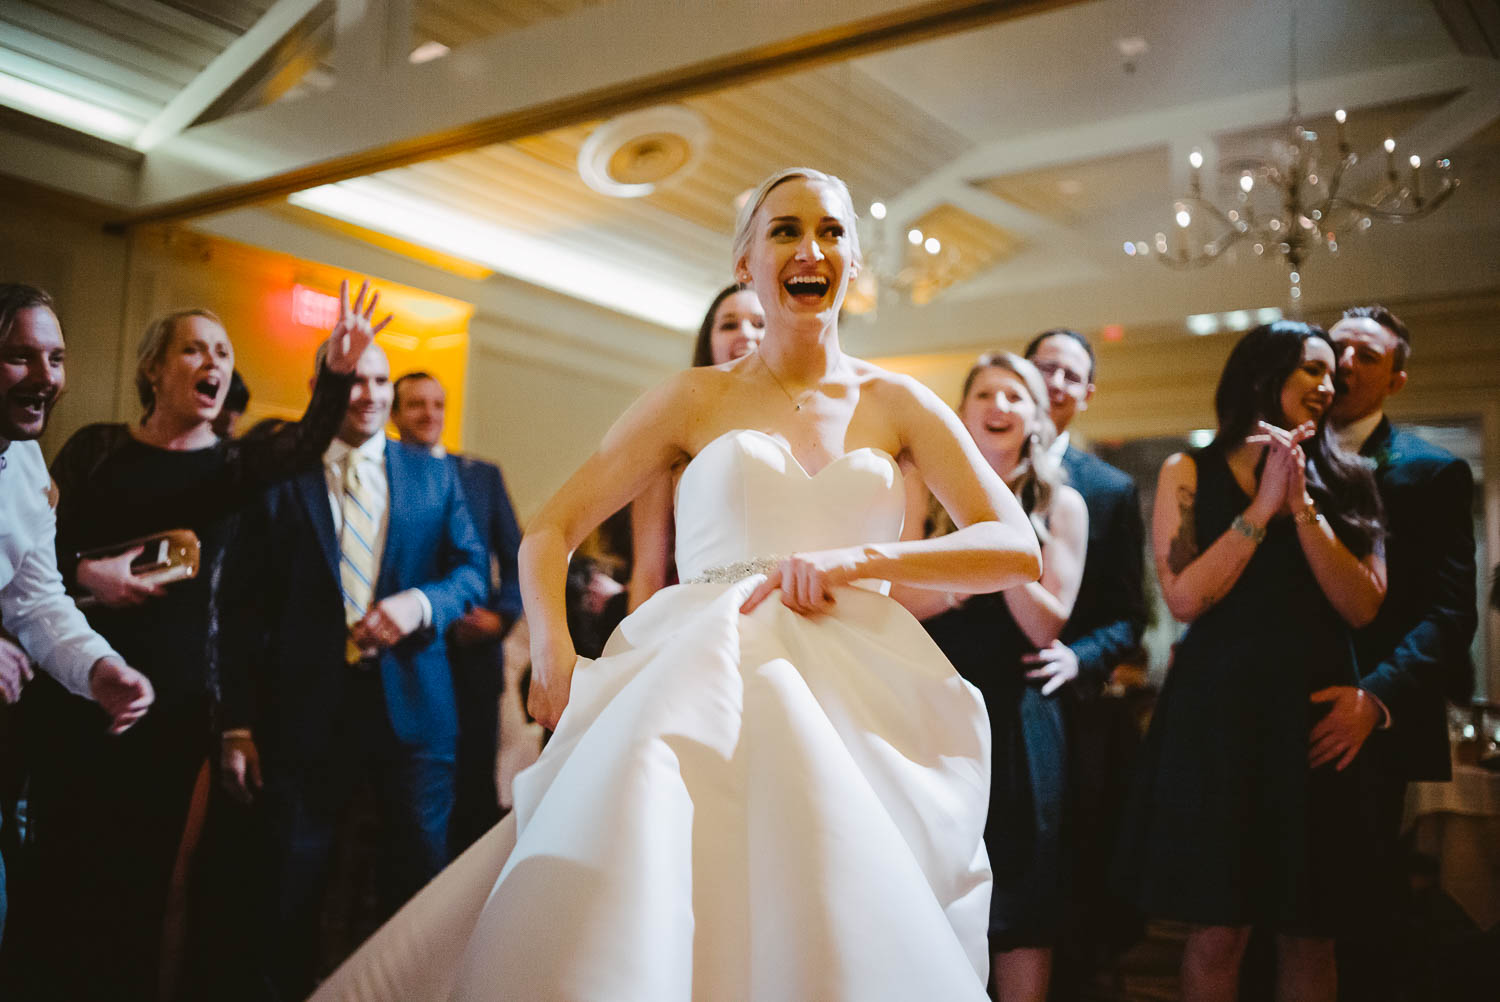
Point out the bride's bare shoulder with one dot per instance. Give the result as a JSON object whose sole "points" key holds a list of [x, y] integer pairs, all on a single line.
{"points": [[892, 389]]}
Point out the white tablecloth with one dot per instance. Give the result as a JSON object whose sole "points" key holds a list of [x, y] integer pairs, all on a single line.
{"points": [[1458, 823]]}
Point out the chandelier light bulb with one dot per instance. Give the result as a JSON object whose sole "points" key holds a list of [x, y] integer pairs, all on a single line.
{"points": [[1196, 159], [914, 237], [877, 209], [1184, 218], [1246, 183], [1415, 161], [1390, 145], [1339, 116], [933, 245]]}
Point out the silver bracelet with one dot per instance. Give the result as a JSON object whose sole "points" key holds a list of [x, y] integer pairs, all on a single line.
{"points": [[1255, 533]]}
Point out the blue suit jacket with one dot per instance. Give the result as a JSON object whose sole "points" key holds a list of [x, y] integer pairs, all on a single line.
{"points": [[284, 674], [1417, 649], [495, 520], [1109, 614]]}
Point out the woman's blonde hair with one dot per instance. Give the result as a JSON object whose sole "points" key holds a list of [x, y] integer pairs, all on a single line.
{"points": [[746, 218], [1038, 475], [153, 349]]}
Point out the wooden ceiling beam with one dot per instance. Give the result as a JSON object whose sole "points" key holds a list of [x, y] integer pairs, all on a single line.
{"points": [[596, 62]]}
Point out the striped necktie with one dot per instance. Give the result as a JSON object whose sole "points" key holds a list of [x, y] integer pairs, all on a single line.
{"points": [[356, 549]]}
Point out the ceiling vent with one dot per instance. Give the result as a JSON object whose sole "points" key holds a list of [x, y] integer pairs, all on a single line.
{"points": [[636, 153]]}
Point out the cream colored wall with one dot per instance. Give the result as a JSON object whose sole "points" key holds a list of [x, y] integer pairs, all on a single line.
{"points": [[66, 251]]}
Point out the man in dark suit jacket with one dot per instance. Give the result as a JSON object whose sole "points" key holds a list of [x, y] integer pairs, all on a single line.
{"points": [[1109, 614], [1105, 627], [316, 695], [474, 649], [1415, 655]]}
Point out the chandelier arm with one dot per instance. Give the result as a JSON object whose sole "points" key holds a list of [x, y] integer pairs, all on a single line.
{"points": [[1428, 206]]}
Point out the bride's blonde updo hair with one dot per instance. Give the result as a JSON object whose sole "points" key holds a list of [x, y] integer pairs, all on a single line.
{"points": [[1038, 475], [746, 218]]}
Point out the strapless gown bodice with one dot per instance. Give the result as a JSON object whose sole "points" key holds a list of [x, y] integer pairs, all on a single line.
{"points": [[745, 496], [735, 807]]}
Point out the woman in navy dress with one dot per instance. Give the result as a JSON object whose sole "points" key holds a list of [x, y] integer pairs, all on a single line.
{"points": [[1268, 543], [986, 636]]}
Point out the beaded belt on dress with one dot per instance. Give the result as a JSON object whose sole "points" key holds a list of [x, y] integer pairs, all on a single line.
{"points": [[737, 571]]}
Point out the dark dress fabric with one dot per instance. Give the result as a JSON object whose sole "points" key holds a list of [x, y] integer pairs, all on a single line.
{"points": [[1227, 825], [107, 813], [1028, 773]]}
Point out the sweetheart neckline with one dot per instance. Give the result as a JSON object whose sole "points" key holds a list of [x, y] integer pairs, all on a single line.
{"points": [[787, 451]]}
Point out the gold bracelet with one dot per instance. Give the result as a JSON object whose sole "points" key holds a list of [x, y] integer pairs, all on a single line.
{"points": [[1307, 515]]}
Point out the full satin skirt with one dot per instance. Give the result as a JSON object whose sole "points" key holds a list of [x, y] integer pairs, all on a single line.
{"points": [[762, 808]]}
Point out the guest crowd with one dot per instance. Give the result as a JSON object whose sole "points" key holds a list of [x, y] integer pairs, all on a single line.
{"points": [[183, 769]]}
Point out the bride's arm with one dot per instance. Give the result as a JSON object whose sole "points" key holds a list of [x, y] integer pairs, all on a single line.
{"points": [[643, 444], [995, 547]]}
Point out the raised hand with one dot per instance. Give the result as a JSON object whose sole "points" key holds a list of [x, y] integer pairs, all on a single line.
{"points": [[807, 581], [354, 331]]}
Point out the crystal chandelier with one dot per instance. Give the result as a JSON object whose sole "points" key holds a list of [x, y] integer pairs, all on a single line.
{"points": [[1301, 206]]}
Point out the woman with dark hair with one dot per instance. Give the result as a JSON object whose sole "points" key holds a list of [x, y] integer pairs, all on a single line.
{"points": [[1268, 542], [115, 819], [1004, 407], [732, 327]]}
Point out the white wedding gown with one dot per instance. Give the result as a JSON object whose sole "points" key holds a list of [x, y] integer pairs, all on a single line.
{"points": [[769, 808]]}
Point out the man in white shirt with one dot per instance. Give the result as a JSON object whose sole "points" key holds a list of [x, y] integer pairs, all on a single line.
{"points": [[34, 608]]}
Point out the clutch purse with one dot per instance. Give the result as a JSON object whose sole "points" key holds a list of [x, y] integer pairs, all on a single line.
{"points": [[165, 556]]}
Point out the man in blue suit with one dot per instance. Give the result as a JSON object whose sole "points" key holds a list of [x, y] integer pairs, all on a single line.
{"points": [[335, 664], [1415, 655], [474, 648]]}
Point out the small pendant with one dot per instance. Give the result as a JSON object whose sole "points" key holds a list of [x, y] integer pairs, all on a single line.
{"points": [[797, 406]]}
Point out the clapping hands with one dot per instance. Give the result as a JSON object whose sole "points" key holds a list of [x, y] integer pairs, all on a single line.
{"points": [[354, 331], [1283, 479]]}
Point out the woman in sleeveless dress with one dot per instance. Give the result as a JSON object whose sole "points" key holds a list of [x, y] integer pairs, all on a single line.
{"points": [[772, 785], [1005, 408], [1268, 544]]}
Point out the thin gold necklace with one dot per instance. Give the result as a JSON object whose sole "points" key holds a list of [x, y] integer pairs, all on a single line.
{"points": [[795, 402]]}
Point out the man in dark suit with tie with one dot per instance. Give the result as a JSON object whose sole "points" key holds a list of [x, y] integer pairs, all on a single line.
{"points": [[335, 664], [474, 649], [1105, 627], [1415, 655]]}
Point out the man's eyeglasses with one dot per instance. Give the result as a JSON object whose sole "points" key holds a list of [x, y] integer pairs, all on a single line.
{"points": [[1050, 369]]}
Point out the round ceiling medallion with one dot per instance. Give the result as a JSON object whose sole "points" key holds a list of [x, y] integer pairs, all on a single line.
{"points": [[638, 152]]}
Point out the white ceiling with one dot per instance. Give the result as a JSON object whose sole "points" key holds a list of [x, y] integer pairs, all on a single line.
{"points": [[1028, 144]]}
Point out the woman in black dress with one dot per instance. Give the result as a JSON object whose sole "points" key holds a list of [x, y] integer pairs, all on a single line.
{"points": [[986, 637], [732, 327], [1268, 543], [113, 817]]}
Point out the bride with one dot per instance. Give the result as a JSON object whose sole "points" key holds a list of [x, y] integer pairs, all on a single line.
{"points": [[772, 786]]}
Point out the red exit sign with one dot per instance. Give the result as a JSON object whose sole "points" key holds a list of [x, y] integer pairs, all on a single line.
{"points": [[312, 308]]}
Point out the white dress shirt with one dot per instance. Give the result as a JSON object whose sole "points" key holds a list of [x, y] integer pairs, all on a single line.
{"points": [[370, 460], [1353, 436], [33, 603]]}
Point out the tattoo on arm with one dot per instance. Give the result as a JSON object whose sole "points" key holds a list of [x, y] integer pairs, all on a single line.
{"points": [[1183, 549]]}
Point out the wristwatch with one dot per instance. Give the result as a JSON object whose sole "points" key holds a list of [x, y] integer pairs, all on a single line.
{"points": [[1255, 533]]}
